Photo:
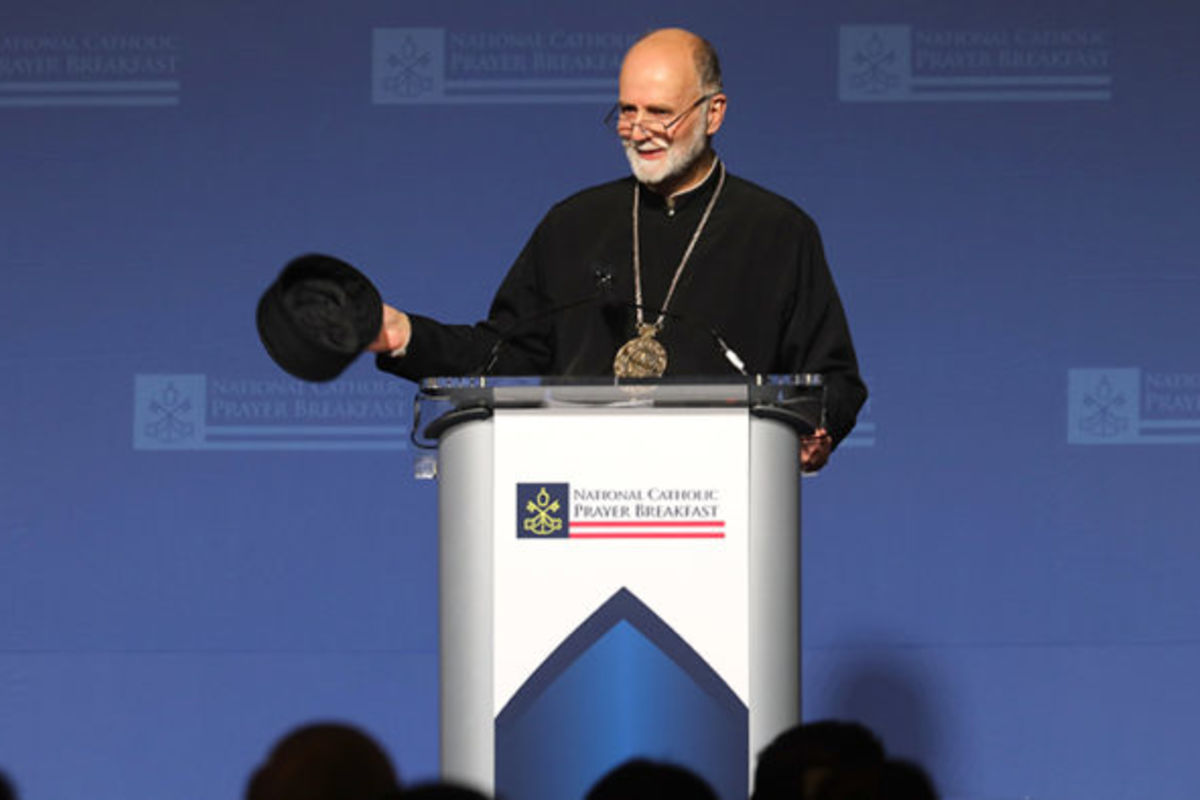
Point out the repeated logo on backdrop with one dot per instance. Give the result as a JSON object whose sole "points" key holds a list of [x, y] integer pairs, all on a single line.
{"points": [[1129, 405], [438, 65], [209, 412], [99, 69], [903, 63]]}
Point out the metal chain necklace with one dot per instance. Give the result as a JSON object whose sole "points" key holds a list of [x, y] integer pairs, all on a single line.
{"points": [[644, 356]]}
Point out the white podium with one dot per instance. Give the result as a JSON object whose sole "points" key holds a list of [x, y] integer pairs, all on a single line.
{"points": [[619, 575]]}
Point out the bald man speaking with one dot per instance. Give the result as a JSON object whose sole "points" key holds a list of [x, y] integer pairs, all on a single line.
{"points": [[632, 278]]}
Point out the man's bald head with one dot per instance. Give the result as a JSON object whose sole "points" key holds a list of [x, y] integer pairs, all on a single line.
{"points": [[681, 46]]}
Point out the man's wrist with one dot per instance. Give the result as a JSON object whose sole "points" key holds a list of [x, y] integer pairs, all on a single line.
{"points": [[401, 351], [396, 335]]}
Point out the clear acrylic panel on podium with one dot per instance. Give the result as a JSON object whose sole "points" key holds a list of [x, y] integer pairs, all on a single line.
{"points": [[441, 403]]}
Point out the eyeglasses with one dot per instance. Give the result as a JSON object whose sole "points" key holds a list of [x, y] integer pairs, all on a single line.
{"points": [[622, 119]]}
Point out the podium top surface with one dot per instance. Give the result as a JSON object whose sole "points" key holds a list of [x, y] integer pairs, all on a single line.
{"points": [[797, 400], [551, 390]]}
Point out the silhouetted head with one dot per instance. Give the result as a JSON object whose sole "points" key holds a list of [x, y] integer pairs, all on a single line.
{"points": [[640, 779], [442, 791], [7, 792], [802, 759], [904, 780], [325, 761]]}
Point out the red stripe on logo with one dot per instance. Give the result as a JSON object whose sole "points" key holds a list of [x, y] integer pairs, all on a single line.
{"points": [[716, 523], [648, 535]]}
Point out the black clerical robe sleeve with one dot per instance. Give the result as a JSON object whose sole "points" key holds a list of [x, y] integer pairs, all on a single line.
{"points": [[513, 340], [816, 337]]}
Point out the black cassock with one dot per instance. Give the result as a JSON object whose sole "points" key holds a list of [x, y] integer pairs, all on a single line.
{"points": [[757, 277]]}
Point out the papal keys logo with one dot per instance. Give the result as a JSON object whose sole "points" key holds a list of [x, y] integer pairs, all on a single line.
{"points": [[543, 510], [1129, 405], [168, 411], [409, 64], [875, 62]]}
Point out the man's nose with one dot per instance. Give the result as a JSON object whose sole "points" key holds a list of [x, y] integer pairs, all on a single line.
{"points": [[638, 132]]}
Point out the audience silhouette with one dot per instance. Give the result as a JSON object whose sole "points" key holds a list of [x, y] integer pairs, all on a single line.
{"points": [[641, 779], [835, 760], [905, 780], [442, 791], [325, 761], [7, 792], [803, 759], [826, 760]]}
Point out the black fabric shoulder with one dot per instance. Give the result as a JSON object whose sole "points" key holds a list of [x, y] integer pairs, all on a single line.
{"points": [[593, 197], [765, 202]]}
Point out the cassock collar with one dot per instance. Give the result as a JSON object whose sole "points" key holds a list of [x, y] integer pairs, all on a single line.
{"points": [[679, 202]]}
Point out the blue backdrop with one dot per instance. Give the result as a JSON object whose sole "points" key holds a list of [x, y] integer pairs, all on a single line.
{"points": [[197, 552]]}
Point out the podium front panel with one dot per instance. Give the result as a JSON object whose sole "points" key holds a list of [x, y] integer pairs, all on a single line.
{"points": [[602, 594]]}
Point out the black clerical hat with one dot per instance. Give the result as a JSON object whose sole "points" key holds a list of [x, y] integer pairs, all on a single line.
{"points": [[318, 315]]}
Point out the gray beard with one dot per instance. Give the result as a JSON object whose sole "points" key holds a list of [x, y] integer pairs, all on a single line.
{"points": [[681, 158]]}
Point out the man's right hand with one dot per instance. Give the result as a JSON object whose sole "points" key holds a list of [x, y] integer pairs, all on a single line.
{"points": [[394, 334]]}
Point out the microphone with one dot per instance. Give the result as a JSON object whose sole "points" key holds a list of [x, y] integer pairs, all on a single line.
{"points": [[730, 355], [602, 274], [602, 281]]}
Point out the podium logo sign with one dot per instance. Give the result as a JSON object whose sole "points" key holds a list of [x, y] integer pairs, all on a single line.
{"points": [[558, 511], [900, 63], [1131, 406], [208, 412], [543, 510], [436, 65]]}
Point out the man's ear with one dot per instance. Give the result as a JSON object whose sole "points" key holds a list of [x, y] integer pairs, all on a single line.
{"points": [[716, 112]]}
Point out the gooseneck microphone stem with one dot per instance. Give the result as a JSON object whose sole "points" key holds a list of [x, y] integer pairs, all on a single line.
{"points": [[603, 279]]}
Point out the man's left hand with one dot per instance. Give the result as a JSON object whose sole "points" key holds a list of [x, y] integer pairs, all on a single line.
{"points": [[815, 449]]}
